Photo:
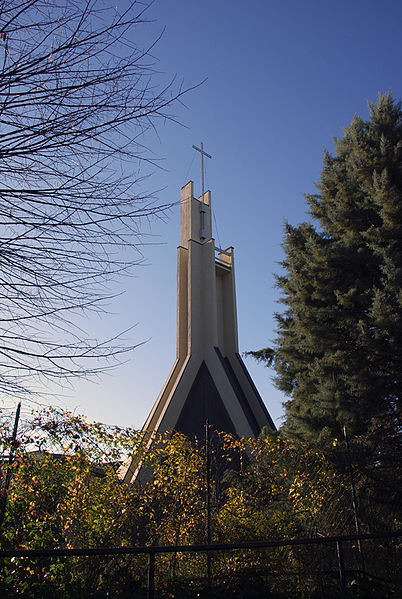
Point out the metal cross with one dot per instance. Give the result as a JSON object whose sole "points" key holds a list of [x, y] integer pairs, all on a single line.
{"points": [[201, 151], [202, 205]]}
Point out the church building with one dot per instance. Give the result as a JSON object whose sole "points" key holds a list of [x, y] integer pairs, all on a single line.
{"points": [[209, 381]]}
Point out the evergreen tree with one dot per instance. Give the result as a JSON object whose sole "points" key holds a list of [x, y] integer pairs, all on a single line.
{"points": [[338, 354]]}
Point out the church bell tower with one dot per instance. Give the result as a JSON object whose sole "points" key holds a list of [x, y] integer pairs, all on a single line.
{"points": [[208, 381]]}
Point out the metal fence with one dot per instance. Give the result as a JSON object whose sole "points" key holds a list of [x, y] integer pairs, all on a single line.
{"points": [[330, 559]]}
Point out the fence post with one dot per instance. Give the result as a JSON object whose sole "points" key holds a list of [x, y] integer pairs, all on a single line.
{"points": [[208, 498], [355, 504], [151, 575], [341, 566], [4, 496]]}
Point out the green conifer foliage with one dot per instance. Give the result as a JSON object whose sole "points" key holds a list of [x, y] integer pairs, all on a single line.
{"points": [[338, 353]]}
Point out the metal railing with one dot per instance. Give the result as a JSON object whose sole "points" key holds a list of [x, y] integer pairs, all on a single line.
{"points": [[153, 551]]}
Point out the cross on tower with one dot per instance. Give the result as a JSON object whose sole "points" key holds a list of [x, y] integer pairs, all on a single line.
{"points": [[202, 207], [201, 151]]}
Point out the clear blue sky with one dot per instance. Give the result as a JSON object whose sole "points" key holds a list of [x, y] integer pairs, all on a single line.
{"points": [[283, 78]]}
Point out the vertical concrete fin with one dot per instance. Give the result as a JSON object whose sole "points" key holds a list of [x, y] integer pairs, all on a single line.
{"points": [[226, 302]]}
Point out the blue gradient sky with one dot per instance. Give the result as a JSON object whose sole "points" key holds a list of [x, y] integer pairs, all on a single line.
{"points": [[283, 78]]}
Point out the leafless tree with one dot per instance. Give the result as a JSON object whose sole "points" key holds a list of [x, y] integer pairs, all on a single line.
{"points": [[76, 96]]}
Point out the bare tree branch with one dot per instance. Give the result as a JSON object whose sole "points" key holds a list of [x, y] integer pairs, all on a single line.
{"points": [[76, 97]]}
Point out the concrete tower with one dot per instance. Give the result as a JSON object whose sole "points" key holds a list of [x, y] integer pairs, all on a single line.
{"points": [[209, 380]]}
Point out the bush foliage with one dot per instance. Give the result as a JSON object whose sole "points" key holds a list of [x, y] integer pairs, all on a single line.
{"points": [[66, 493]]}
